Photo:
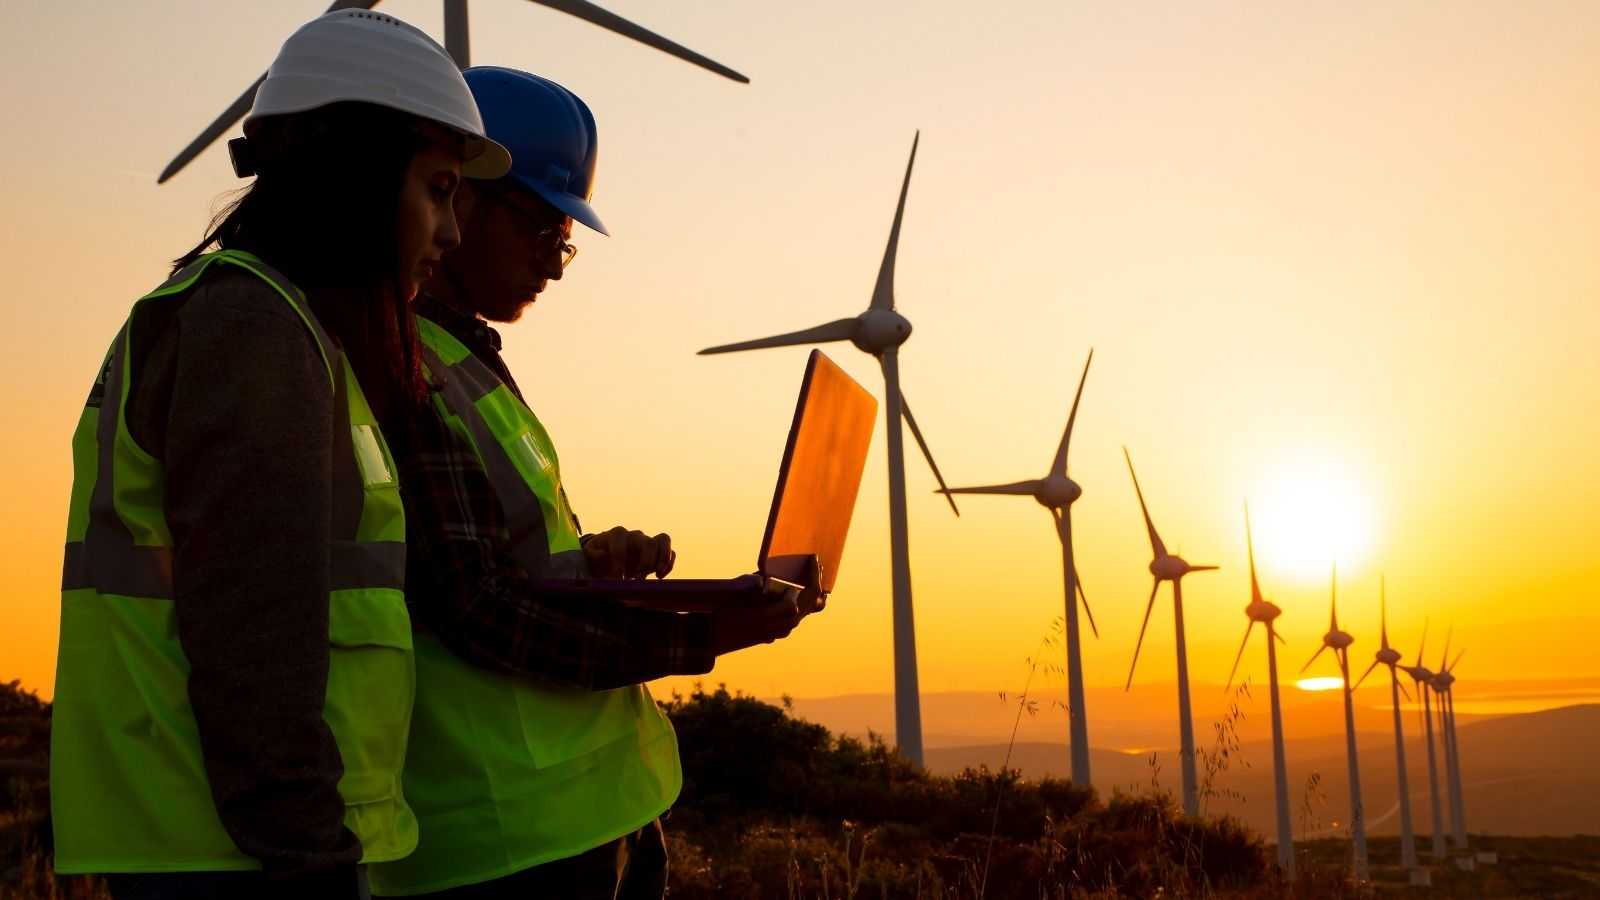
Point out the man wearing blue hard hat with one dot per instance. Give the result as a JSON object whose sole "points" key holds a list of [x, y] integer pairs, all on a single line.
{"points": [[538, 764]]}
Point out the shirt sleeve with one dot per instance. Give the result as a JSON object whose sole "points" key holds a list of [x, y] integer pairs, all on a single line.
{"points": [[248, 457], [464, 587]]}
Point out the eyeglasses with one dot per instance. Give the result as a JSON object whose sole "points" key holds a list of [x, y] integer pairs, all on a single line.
{"points": [[567, 250], [544, 234]]}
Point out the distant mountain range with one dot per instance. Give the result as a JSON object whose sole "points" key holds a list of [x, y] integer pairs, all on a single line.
{"points": [[1524, 773]]}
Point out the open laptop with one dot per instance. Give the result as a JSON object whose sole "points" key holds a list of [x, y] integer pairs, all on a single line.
{"points": [[811, 505]]}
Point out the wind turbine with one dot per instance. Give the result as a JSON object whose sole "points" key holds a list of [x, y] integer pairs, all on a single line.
{"points": [[457, 42], [1263, 611], [1442, 682], [880, 331], [1424, 681], [1168, 567], [1388, 656], [1056, 492], [1339, 642]]}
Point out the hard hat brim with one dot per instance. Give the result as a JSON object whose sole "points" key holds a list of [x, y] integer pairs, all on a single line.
{"points": [[490, 160], [576, 207]]}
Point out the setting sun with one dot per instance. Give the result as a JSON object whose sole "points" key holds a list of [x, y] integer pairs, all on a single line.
{"points": [[1321, 683], [1312, 512]]}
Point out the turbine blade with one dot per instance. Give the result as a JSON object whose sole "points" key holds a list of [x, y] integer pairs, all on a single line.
{"points": [[1156, 546], [1333, 604], [928, 454], [1078, 579], [1020, 488], [883, 291], [1203, 568], [837, 330], [614, 23], [1452, 667], [237, 109], [1279, 638], [216, 129], [1250, 547], [1364, 675], [1313, 658], [1448, 635], [1383, 610], [1059, 465], [1424, 644], [1148, 607], [1402, 686], [1235, 670]]}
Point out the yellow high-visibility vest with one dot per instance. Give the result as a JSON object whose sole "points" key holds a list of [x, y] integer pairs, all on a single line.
{"points": [[128, 786], [507, 772]]}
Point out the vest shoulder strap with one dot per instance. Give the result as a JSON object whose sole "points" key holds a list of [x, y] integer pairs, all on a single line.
{"points": [[189, 276]]}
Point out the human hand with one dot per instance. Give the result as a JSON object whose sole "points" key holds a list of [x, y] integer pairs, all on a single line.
{"points": [[811, 598], [776, 611], [620, 553]]}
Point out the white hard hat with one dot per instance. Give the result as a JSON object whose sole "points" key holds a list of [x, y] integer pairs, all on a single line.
{"points": [[368, 57]]}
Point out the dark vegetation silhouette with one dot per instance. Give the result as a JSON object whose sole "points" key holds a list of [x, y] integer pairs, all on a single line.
{"points": [[25, 845], [776, 807]]}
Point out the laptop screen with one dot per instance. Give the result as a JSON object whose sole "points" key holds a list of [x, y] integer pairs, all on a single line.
{"points": [[820, 475]]}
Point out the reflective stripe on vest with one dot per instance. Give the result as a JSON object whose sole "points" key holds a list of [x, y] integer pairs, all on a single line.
{"points": [[128, 786], [506, 773]]}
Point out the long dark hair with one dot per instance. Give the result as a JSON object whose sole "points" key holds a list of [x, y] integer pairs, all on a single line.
{"points": [[323, 211]]}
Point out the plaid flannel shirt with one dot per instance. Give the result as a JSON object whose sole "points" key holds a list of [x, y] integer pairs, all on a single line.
{"points": [[463, 586]]}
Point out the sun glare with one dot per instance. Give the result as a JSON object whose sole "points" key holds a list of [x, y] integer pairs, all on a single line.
{"points": [[1320, 684], [1310, 513]]}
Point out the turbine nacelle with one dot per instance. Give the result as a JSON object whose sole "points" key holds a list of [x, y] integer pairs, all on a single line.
{"points": [[1419, 674], [1264, 611], [878, 330], [1057, 492], [1442, 682], [1389, 656], [1171, 568], [1338, 640]]}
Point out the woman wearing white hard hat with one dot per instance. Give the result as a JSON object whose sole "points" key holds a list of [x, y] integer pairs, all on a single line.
{"points": [[234, 682]]}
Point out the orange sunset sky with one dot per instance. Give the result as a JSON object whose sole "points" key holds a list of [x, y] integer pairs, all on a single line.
{"points": [[1339, 259]]}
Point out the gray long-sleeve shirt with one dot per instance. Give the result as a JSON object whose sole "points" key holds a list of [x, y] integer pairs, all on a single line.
{"points": [[230, 392]]}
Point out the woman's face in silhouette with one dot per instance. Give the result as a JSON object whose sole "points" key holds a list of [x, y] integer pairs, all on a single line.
{"points": [[426, 219]]}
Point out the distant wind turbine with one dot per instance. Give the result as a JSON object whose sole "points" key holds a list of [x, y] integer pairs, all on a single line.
{"points": [[1168, 567], [1056, 492], [1388, 656], [1443, 680], [880, 331], [1423, 678], [1339, 642], [456, 41], [1263, 611]]}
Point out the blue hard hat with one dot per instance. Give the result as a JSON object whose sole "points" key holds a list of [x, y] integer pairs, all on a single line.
{"points": [[549, 131]]}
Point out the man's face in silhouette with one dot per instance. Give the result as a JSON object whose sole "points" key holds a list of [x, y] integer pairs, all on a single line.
{"points": [[511, 248]]}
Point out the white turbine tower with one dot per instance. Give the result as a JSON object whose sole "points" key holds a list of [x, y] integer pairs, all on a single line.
{"points": [[1388, 656], [1263, 611], [1339, 642], [1168, 567], [1423, 678], [457, 42], [880, 331], [1056, 492], [1442, 682]]}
